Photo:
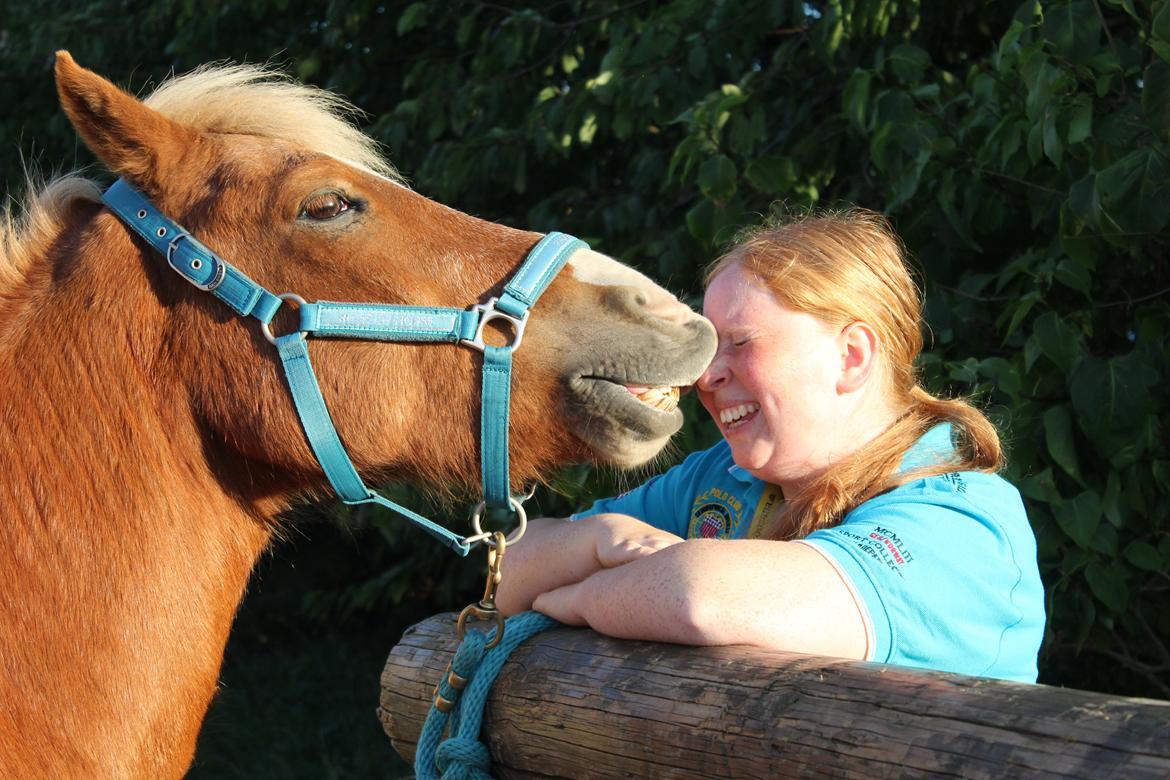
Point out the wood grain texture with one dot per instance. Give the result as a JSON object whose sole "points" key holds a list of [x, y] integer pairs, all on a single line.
{"points": [[572, 703]]}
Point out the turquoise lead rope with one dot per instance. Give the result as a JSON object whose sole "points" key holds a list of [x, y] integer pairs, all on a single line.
{"points": [[473, 670]]}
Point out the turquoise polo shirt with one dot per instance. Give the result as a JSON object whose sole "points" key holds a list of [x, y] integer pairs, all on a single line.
{"points": [[943, 568]]}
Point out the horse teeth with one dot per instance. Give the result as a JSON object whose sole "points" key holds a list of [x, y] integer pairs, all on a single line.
{"points": [[662, 398]]}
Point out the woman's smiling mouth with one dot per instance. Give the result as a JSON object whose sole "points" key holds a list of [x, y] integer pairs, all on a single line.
{"points": [[733, 417]]}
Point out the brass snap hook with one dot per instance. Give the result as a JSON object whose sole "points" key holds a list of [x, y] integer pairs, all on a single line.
{"points": [[485, 609]]}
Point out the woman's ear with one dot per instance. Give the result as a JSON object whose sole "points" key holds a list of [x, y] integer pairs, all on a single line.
{"points": [[134, 141], [858, 344]]}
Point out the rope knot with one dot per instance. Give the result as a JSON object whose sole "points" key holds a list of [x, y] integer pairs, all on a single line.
{"points": [[463, 757]]}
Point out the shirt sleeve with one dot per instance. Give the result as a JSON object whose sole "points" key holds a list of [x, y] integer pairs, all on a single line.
{"points": [[664, 501], [938, 577]]}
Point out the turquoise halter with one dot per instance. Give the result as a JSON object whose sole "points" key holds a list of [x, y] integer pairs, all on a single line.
{"points": [[379, 322]]}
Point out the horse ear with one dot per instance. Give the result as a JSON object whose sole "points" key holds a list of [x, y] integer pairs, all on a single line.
{"points": [[133, 140]]}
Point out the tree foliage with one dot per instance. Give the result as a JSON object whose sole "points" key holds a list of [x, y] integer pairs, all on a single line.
{"points": [[1022, 150]]}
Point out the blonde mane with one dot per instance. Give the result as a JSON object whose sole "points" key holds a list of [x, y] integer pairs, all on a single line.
{"points": [[244, 99], [255, 100]]}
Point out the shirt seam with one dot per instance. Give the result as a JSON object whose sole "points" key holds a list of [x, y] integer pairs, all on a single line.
{"points": [[866, 618], [890, 627]]}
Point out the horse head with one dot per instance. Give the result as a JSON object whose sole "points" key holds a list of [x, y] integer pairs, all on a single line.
{"points": [[272, 177]]}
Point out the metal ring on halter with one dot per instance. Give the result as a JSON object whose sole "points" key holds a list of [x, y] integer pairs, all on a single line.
{"points": [[266, 327], [481, 536], [488, 312]]}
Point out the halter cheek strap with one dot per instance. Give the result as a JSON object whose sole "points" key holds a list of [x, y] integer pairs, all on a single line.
{"points": [[379, 322]]}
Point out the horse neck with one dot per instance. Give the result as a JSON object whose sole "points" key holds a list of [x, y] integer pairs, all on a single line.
{"points": [[124, 558]]}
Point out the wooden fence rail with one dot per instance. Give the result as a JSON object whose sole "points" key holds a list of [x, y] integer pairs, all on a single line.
{"points": [[570, 703]]}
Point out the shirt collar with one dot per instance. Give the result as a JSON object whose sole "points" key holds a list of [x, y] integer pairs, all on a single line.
{"points": [[740, 474], [935, 446]]}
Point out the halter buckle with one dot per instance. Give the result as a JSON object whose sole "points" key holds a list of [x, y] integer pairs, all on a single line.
{"points": [[220, 267], [488, 312]]}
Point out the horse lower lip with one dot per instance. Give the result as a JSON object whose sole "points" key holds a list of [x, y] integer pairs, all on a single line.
{"points": [[620, 399]]}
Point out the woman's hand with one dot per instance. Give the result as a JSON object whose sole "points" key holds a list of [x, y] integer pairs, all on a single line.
{"points": [[622, 538], [556, 552]]}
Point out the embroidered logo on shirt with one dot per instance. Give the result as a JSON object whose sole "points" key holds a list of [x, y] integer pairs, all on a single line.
{"points": [[715, 514], [884, 546]]}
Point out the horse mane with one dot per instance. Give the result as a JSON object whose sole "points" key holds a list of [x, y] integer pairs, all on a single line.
{"points": [[38, 221], [258, 100], [243, 99]]}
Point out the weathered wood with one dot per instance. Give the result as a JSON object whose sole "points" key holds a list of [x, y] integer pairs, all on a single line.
{"points": [[571, 703]]}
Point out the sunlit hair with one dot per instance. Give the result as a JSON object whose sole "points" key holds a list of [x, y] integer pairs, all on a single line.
{"points": [[844, 267], [257, 100]]}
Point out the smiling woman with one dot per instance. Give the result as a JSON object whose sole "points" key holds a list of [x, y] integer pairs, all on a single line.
{"points": [[847, 512]]}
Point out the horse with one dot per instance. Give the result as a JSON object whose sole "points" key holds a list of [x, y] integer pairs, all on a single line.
{"points": [[151, 443]]}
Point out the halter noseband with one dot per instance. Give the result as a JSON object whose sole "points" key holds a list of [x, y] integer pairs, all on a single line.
{"points": [[378, 322]]}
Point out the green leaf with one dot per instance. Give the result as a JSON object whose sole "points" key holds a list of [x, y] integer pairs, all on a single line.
{"points": [[1082, 201], [413, 17], [717, 177], [771, 175], [909, 63], [1160, 29], [701, 221], [697, 60], [1073, 28], [1044, 82], [1036, 142], [1009, 43], [1156, 96], [1112, 398], [855, 98], [1026, 302], [1135, 191], [1079, 517], [1105, 540], [1040, 487], [1053, 146], [1080, 125], [1111, 501], [588, 129], [463, 33], [1058, 437], [1058, 340], [1107, 581], [1003, 373], [730, 96], [1143, 556], [1074, 276]]}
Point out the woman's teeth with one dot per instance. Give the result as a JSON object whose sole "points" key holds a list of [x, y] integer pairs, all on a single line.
{"points": [[734, 413], [664, 399]]}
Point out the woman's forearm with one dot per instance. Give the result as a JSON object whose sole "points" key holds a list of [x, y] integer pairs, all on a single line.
{"points": [[778, 595]]}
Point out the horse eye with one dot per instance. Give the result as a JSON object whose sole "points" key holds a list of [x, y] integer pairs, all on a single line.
{"points": [[325, 205]]}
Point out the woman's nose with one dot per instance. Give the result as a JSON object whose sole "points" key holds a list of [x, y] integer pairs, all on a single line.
{"points": [[713, 376]]}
